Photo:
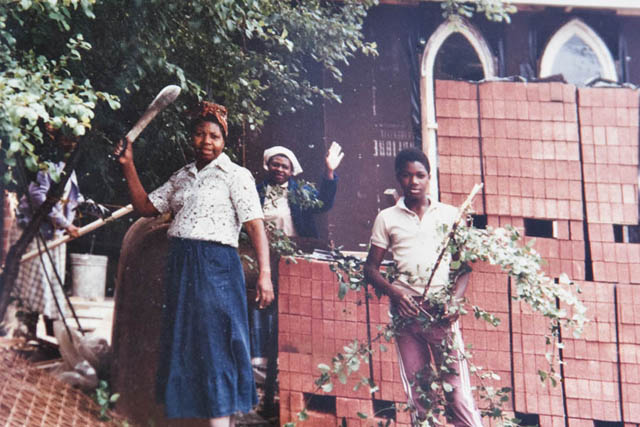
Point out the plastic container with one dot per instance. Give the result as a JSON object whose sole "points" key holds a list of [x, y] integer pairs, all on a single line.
{"points": [[89, 276]]}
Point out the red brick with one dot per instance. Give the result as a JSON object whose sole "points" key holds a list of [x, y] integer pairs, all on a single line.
{"points": [[622, 116], [612, 135], [527, 206], [515, 206], [550, 170], [486, 109], [551, 208], [570, 113], [556, 90], [316, 289], [511, 109], [305, 306], [532, 91], [442, 88], [627, 174], [604, 212], [630, 214], [546, 130], [304, 269], [305, 288], [628, 155], [317, 270], [575, 209], [544, 91], [624, 274]]}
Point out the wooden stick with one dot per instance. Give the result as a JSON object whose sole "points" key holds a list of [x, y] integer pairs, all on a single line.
{"points": [[461, 215], [84, 230]]}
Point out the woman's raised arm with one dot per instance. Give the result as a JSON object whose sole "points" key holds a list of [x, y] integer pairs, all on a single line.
{"points": [[139, 198]]}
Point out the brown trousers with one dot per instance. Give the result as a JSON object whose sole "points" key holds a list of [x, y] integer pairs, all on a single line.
{"points": [[416, 347]]}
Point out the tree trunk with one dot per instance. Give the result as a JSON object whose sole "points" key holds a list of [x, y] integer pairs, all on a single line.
{"points": [[3, 169], [12, 265]]}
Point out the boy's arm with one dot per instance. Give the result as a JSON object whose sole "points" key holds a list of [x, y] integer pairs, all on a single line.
{"points": [[403, 303], [460, 287]]}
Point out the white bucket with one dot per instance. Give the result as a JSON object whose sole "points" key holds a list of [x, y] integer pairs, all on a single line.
{"points": [[89, 276]]}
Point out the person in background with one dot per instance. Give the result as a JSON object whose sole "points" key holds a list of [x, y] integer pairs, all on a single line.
{"points": [[411, 230], [290, 208], [39, 286], [10, 202], [205, 365], [278, 191]]}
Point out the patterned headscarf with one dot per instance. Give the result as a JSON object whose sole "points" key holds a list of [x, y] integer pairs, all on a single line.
{"points": [[206, 108]]}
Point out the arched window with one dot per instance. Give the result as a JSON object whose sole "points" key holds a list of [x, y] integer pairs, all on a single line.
{"points": [[453, 34], [457, 60], [579, 54]]}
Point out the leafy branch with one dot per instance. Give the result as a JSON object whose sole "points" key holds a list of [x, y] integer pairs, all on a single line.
{"points": [[305, 194], [105, 399], [494, 10], [35, 89]]}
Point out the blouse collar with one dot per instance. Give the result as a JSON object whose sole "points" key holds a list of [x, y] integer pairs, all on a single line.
{"points": [[222, 162]]}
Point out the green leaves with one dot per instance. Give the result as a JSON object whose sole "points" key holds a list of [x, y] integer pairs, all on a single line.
{"points": [[349, 271], [268, 44], [253, 56], [35, 89], [104, 399], [502, 247], [494, 10]]}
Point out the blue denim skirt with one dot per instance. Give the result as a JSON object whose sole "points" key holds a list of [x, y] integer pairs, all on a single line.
{"points": [[205, 365]]}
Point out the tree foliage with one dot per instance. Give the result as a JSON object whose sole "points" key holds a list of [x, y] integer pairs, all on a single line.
{"points": [[37, 88], [58, 58], [253, 56], [493, 10]]}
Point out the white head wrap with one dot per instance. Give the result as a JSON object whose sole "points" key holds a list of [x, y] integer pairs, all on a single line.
{"points": [[282, 151]]}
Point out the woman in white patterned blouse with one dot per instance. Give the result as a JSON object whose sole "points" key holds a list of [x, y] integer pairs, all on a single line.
{"points": [[205, 368]]}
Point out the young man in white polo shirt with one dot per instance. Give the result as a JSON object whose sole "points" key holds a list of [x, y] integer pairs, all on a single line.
{"points": [[413, 231]]}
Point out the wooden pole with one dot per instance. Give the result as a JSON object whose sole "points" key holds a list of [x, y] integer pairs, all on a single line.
{"points": [[461, 215], [84, 230]]}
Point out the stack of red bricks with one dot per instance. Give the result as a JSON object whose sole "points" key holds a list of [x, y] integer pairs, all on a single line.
{"points": [[628, 297], [530, 150], [591, 377], [541, 144], [538, 148], [490, 346], [458, 132], [315, 325], [529, 352], [609, 134]]}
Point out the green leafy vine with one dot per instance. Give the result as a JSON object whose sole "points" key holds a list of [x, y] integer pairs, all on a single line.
{"points": [[304, 195]]}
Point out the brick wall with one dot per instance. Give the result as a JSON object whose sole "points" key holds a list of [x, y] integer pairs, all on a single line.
{"points": [[314, 325], [544, 151]]}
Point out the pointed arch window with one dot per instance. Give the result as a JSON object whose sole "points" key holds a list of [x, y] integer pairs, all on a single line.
{"points": [[457, 60], [579, 54], [455, 33]]}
